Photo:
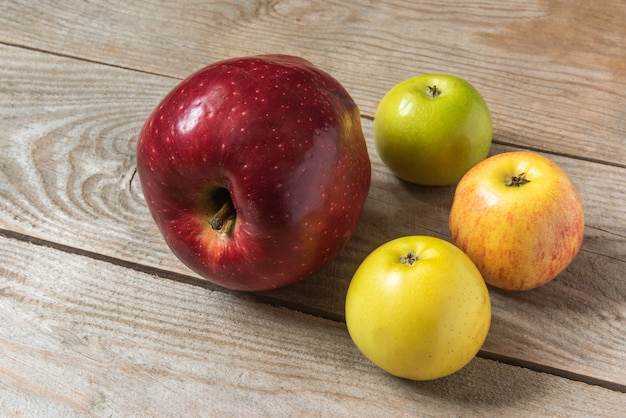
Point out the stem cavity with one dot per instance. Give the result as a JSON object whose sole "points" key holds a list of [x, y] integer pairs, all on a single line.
{"points": [[409, 259], [433, 91], [223, 220], [516, 181]]}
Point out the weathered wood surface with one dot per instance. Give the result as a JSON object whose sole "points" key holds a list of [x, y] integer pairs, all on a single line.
{"points": [[551, 71], [85, 337], [77, 80]]}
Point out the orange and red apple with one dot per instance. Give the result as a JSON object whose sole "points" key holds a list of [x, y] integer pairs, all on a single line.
{"points": [[519, 217]]}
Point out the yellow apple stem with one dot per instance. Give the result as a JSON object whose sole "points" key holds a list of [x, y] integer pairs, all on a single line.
{"points": [[409, 259]]}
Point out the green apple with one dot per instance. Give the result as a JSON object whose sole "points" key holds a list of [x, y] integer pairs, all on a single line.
{"points": [[519, 217], [418, 308], [432, 128]]}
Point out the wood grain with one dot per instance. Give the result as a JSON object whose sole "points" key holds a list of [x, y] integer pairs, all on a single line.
{"points": [[552, 72], [67, 177], [86, 338], [98, 318]]}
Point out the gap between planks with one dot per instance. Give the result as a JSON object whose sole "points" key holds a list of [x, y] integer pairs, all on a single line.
{"points": [[86, 60], [364, 116], [267, 299]]}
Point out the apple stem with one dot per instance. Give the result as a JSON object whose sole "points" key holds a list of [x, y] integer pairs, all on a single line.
{"points": [[409, 259], [516, 181], [433, 91], [224, 219]]}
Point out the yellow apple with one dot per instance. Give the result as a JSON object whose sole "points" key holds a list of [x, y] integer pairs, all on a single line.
{"points": [[432, 128], [518, 216], [418, 308]]}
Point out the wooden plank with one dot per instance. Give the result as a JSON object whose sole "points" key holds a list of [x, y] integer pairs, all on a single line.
{"points": [[552, 72], [66, 176], [80, 337]]}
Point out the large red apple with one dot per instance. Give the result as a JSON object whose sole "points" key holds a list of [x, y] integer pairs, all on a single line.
{"points": [[255, 170], [518, 216]]}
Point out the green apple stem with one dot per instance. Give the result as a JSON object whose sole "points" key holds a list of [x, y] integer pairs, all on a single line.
{"points": [[433, 91], [224, 219], [516, 181], [409, 259]]}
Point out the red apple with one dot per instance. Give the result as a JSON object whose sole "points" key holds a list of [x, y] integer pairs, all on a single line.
{"points": [[255, 170], [518, 216]]}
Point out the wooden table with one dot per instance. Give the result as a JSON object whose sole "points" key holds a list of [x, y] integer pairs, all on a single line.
{"points": [[98, 318]]}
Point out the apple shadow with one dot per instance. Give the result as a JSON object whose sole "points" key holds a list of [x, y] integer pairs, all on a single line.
{"points": [[396, 208], [486, 383]]}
